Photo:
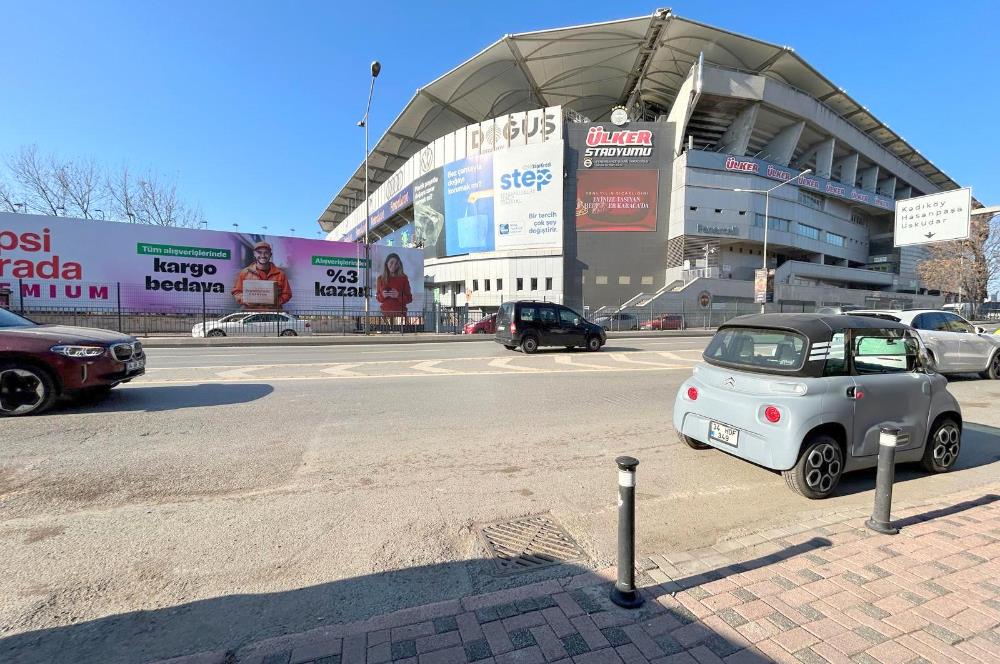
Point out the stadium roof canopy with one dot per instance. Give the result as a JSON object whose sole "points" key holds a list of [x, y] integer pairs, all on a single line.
{"points": [[589, 69]]}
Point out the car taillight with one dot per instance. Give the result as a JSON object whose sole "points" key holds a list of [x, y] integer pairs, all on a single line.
{"points": [[772, 414], [693, 393], [513, 328]]}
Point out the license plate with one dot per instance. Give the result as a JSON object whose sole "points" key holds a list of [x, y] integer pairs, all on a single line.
{"points": [[724, 434], [501, 328], [135, 365]]}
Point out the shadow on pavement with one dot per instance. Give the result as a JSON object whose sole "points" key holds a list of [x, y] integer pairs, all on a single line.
{"points": [[980, 447], [160, 398], [232, 625], [946, 511]]}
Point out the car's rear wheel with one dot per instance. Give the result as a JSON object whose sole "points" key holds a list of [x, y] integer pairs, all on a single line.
{"points": [[529, 344], [943, 445], [509, 347], [818, 470], [289, 333], [993, 369], [593, 344], [25, 390], [215, 333], [692, 443]]}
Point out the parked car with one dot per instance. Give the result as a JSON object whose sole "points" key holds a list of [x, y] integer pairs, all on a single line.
{"points": [[955, 345], [806, 395], [529, 324], [253, 324], [40, 363], [618, 321], [665, 322], [487, 325], [838, 309]]}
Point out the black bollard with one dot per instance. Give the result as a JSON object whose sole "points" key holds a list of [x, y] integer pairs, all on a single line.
{"points": [[624, 593], [887, 440]]}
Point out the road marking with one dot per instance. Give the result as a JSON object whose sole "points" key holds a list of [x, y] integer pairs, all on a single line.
{"points": [[238, 373], [341, 371], [430, 367], [673, 356], [566, 359], [504, 363], [622, 357], [348, 376]]}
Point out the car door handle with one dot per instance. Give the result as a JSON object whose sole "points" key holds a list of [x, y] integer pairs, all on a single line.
{"points": [[855, 393], [926, 387]]}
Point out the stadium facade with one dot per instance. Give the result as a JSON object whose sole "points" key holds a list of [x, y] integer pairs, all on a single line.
{"points": [[620, 164]]}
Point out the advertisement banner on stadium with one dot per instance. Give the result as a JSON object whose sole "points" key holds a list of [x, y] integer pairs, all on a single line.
{"points": [[468, 205], [616, 200], [62, 262], [527, 196]]}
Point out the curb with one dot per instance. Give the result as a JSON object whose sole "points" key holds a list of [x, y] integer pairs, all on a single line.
{"points": [[359, 340]]}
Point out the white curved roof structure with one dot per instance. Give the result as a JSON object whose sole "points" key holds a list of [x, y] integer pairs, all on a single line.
{"points": [[589, 69]]}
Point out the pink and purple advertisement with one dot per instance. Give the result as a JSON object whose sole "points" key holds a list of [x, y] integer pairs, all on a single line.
{"points": [[64, 263]]}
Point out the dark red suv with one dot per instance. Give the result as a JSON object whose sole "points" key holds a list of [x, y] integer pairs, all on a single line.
{"points": [[39, 363]]}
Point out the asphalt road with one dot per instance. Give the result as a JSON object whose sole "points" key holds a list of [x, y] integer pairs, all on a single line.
{"points": [[269, 490]]}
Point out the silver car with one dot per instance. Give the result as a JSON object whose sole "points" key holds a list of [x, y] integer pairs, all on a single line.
{"points": [[253, 324], [954, 344], [806, 394]]}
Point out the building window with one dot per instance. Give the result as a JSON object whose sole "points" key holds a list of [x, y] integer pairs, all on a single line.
{"points": [[475, 284], [773, 223], [835, 240], [647, 281], [499, 284], [534, 283], [624, 281], [486, 284], [548, 283], [601, 280], [718, 210], [743, 213], [693, 208], [859, 218], [810, 199], [804, 230], [520, 283]]}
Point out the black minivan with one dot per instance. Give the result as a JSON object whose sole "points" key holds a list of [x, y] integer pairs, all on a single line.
{"points": [[530, 324]]}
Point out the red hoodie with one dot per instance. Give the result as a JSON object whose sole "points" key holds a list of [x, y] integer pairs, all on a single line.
{"points": [[393, 305]]}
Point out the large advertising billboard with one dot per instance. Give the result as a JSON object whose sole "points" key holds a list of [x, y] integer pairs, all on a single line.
{"points": [[61, 262], [616, 200]]}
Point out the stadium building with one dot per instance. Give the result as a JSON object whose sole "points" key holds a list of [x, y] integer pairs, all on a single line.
{"points": [[622, 164]]}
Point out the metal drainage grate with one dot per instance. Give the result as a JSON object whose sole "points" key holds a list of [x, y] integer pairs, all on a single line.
{"points": [[527, 544]]}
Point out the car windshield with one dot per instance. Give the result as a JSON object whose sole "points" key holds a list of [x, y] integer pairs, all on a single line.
{"points": [[232, 318], [757, 348], [9, 319]]}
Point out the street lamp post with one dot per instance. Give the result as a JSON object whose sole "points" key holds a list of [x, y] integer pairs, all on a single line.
{"points": [[767, 218], [376, 68]]}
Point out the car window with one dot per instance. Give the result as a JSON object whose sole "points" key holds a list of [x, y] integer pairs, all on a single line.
{"points": [[568, 316], [10, 319], [231, 318], [757, 348], [932, 322], [836, 361], [955, 323], [548, 315], [883, 351], [256, 318], [505, 312], [529, 314]]}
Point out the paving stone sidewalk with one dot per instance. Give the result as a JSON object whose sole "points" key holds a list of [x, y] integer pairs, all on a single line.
{"points": [[827, 590]]}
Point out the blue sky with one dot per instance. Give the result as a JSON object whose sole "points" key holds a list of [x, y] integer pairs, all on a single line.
{"points": [[252, 107]]}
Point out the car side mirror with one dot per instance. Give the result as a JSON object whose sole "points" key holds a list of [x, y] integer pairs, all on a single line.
{"points": [[980, 330], [576, 321]]}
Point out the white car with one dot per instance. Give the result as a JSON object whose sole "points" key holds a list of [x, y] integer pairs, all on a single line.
{"points": [[954, 344], [253, 324]]}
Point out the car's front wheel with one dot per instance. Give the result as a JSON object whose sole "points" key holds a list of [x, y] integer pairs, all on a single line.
{"points": [[289, 333], [593, 344], [818, 470], [993, 369], [529, 344], [25, 390], [943, 446]]}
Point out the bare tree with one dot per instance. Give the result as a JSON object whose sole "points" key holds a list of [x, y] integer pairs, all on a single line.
{"points": [[38, 181], [157, 203], [965, 267], [7, 202], [121, 190], [80, 182]]}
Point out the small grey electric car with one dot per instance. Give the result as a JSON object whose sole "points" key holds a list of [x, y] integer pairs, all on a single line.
{"points": [[806, 394]]}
